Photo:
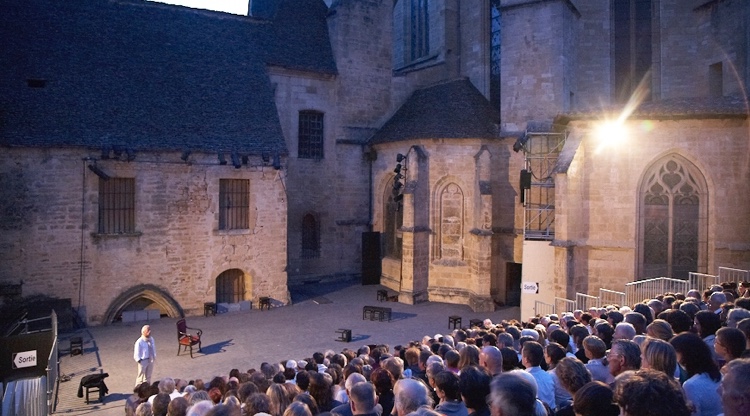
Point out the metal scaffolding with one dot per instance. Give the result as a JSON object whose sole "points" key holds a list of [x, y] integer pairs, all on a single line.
{"points": [[541, 150]]}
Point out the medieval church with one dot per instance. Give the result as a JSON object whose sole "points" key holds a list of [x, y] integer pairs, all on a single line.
{"points": [[156, 157]]}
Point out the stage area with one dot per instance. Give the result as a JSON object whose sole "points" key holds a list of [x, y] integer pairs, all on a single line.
{"points": [[244, 340]]}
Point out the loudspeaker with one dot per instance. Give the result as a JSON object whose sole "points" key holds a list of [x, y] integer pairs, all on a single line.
{"points": [[371, 258]]}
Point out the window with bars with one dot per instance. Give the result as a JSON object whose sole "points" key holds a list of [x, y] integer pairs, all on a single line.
{"points": [[117, 206], [230, 286], [310, 237], [495, 49], [234, 204], [310, 144], [419, 33], [394, 219]]}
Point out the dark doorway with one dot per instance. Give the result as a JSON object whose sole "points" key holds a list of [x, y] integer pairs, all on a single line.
{"points": [[513, 284], [230, 286], [370, 258]]}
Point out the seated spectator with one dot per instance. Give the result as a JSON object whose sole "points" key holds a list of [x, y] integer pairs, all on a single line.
{"points": [[257, 403], [703, 374], [474, 383], [660, 329], [363, 399], [383, 382], [625, 355], [451, 360], [177, 407], [573, 375], [512, 395], [410, 395], [595, 399], [510, 359], [470, 355], [144, 409], [532, 357], [735, 388], [706, 325], [624, 330], [278, 399], [595, 351], [736, 315], [491, 359], [650, 393], [140, 395], [660, 356], [446, 387], [344, 409], [729, 344]]}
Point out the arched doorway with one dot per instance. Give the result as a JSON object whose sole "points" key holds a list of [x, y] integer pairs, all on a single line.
{"points": [[143, 297], [230, 286]]}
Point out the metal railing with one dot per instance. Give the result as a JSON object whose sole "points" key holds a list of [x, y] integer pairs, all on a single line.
{"points": [[636, 292], [543, 308], [611, 297], [563, 305], [702, 281], [584, 301], [727, 274], [53, 369]]}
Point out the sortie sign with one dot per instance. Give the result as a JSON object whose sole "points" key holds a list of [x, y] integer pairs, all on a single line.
{"points": [[24, 359]]}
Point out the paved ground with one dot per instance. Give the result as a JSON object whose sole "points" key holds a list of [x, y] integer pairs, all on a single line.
{"points": [[244, 340]]}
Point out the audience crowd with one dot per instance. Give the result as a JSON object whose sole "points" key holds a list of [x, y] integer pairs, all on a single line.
{"points": [[676, 354]]}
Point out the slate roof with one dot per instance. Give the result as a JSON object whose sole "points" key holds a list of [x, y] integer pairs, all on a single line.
{"points": [[453, 109], [146, 76], [733, 106]]}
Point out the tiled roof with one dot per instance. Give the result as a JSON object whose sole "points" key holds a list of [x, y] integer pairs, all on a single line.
{"points": [[144, 76], [453, 109], [734, 106]]}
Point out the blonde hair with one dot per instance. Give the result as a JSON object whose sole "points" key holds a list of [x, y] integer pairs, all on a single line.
{"points": [[660, 329]]}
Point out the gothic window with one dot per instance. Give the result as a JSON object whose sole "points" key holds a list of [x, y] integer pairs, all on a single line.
{"points": [[310, 144], [117, 206], [234, 204], [310, 237], [673, 199], [419, 33], [393, 221], [495, 46], [230, 286], [632, 45], [451, 228]]}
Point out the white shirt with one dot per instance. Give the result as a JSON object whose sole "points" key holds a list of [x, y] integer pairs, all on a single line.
{"points": [[144, 348]]}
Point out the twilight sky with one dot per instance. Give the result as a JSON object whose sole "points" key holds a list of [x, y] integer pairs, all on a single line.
{"points": [[228, 6]]}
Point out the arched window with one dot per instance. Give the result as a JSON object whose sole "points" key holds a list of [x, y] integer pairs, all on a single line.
{"points": [[310, 237], [393, 210], [673, 221], [230, 286]]}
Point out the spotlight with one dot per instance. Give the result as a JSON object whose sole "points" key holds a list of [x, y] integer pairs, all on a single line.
{"points": [[399, 176], [397, 185], [398, 197], [400, 157], [222, 159], [397, 171], [244, 159]]}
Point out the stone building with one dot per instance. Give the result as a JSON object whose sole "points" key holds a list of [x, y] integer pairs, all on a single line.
{"points": [[462, 135]]}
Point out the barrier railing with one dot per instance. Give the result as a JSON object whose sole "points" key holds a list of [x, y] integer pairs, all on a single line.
{"points": [[611, 297], [584, 301], [702, 281], [636, 292], [543, 308], [727, 274], [563, 305]]}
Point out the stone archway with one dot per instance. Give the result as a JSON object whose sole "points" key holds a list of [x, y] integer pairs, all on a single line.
{"points": [[150, 293]]}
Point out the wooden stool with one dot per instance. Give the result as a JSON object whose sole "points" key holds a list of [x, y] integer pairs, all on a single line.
{"points": [[76, 346], [454, 322], [475, 322], [344, 335], [382, 295], [264, 301], [209, 308]]}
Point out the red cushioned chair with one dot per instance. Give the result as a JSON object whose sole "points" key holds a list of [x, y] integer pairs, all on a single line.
{"points": [[186, 339]]}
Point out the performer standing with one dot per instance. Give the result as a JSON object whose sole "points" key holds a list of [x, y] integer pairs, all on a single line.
{"points": [[144, 353]]}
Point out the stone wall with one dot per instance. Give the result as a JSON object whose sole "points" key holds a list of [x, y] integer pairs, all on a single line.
{"points": [[50, 237]]}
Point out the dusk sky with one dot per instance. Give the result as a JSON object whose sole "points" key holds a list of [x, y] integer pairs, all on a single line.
{"points": [[228, 6]]}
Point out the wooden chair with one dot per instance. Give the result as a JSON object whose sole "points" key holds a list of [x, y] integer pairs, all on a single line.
{"points": [[187, 339]]}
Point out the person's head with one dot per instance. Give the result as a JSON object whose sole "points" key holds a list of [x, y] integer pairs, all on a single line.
{"points": [[161, 404], [320, 389], [395, 365], [257, 403], [178, 407], [595, 348], [492, 359], [707, 323], [144, 409], [309, 401], [623, 356], [278, 399], [572, 374], [656, 305], [146, 331], [166, 385], [660, 329], [735, 388], [678, 320], [446, 386], [512, 394], [410, 395], [382, 379], [362, 398], [510, 359], [474, 383], [730, 342], [736, 315], [694, 355], [432, 369], [715, 301], [532, 354], [690, 309], [297, 409], [595, 399], [553, 353], [624, 330], [614, 317], [469, 355], [579, 333], [659, 355], [560, 337], [650, 393], [644, 310]]}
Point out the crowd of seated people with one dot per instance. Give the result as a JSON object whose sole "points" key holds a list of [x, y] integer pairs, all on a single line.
{"points": [[674, 354]]}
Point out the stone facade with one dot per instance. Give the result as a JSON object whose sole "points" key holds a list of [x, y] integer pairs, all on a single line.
{"points": [[52, 243]]}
